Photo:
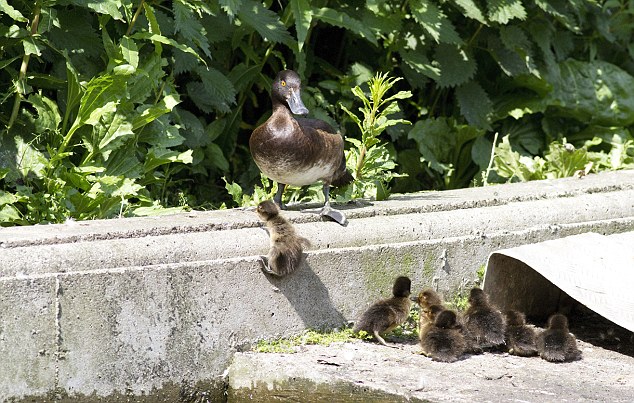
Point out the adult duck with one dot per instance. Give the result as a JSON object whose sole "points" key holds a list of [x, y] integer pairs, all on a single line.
{"points": [[298, 151]]}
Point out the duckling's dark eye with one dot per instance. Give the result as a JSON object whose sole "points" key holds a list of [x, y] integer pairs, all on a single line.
{"points": [[283, 83]]}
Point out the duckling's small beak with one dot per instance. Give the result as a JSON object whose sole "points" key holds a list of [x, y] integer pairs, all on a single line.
{"points": [[295, 103], [414, 297]]}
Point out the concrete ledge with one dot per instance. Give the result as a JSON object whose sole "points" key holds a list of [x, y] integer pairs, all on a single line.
{"points": [[132, 307], [368, 372]]}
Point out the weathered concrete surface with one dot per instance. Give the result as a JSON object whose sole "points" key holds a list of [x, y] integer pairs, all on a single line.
{"points": [[361, 372], [150, 306]]}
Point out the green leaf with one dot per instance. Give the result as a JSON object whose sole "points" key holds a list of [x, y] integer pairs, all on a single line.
{"points": [[11, 12], [166, 41], [48, 117], [343, 20], [475, 104], [219, 88], [456, 66], [502, 11], [190, 27], [110, 7], [303, 17], [29, 159], [231, 7], [471, 10], [9, 214], [31, 46], [264, 21], [216, 157], [421, 64], [101, 95], [434, 22], [116, 130], [129, 51], [161, 156], [595, 92], [242, 76]]}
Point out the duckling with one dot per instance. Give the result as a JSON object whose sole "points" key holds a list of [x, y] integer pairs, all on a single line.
{"points": [[442, 341], [430, 304], [427, 297], [287, 247], [520, 338], [385, 315], [556, 343], [483, 322], [296, 151]]}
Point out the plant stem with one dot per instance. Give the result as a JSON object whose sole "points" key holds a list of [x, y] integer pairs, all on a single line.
{"points": [[485, 181], [134, 18], [23, 69]]}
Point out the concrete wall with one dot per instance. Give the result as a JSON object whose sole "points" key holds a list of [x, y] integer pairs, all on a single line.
{"points": [[154, 308]]}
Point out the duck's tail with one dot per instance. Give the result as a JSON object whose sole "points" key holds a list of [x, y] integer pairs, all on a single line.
{"points": [[344, 178]]}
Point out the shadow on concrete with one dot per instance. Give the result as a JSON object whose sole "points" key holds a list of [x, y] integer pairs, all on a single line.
{"points": [[310, 298]]}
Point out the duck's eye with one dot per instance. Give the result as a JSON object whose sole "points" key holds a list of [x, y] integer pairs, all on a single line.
{"points": [[283, 83]]}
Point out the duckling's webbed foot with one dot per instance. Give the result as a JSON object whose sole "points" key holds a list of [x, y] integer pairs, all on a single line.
{"points": [[266, 268], [335, 215]]}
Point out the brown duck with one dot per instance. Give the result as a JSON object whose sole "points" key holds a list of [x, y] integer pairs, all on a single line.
{"points": [[296, 151], [286, 246], [520, 338], [442, 340], [385, 315], [556, 343]]}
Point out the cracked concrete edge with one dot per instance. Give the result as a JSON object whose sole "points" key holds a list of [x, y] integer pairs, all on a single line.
{"points": [[134, 330], [219, 220]]}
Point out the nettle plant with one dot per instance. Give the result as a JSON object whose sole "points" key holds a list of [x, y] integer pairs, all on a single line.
{"points": [[369, 159]]}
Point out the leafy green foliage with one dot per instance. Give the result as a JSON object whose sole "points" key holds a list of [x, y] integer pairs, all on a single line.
{"points": [[115, 108], [370, 160]]}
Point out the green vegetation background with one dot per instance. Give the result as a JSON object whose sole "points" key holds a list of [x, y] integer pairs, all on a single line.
{"points": [[117, 108]]}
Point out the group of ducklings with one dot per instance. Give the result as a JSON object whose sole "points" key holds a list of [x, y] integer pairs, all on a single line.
{"points": [[447, 336]]}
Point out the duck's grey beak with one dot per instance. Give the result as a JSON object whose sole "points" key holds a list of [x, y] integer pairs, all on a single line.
{"points": [[295, 103], [413, 297]]}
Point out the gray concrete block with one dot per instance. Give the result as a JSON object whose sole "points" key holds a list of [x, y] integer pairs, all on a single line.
{"points": [[28, 337], [156, 306]]}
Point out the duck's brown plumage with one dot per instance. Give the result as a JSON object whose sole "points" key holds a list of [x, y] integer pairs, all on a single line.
{"points": [[520, 338], [385, 315], [555, 343], [296, 151], [442, 340], [484, 323], [286, 246]]}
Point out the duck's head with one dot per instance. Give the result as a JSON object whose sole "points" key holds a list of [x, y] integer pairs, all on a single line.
{"points": [[402, 287], [286, 89]]}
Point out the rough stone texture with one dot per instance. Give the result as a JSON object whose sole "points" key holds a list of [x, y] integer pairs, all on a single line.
{"points": [[148, 306], [361, 371]]}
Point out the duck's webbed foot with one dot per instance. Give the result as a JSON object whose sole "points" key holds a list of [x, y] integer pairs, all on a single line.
{"points": [[335, 215], [266, 268], [328, 211]]}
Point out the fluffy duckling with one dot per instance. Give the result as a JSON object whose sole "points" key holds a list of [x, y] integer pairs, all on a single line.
{"points": [[520, 338], [287, 247], [385, 315], [430, 304], [427, 297], [484, 324], [556, 343], [442, 341], [298, 152]]}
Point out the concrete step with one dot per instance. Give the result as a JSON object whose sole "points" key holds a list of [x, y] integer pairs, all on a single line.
{"points": [[144, 306], [369, 372]]}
